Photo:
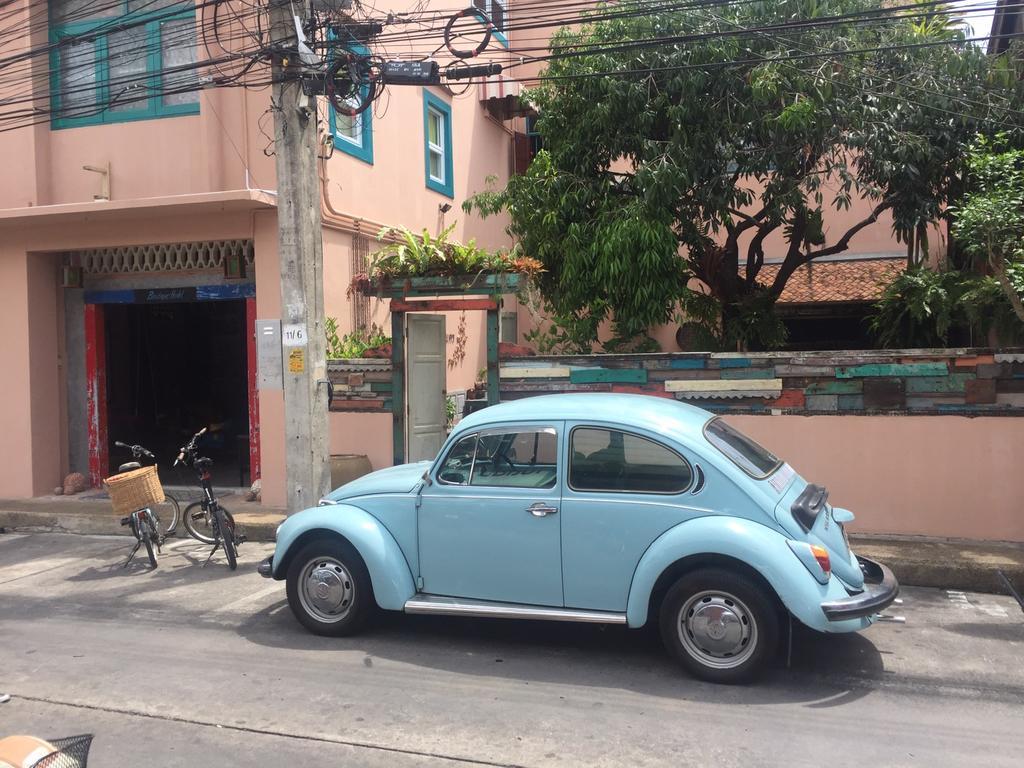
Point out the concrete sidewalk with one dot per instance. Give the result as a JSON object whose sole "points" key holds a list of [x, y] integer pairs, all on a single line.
{"points": [[916, 560], [91, 513]]}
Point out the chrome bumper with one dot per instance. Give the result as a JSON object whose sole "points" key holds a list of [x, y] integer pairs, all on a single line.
{"points": [[266, 567], [880, 589]]}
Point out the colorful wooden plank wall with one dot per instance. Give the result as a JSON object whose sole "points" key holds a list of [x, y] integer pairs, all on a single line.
{"points": [[363, 385], [955, 381]]}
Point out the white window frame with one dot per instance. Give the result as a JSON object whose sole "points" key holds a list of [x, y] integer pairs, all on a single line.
{"points": [[438, 149], [357, 122]]}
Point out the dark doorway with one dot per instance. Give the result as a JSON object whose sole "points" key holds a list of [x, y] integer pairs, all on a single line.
{"points": [[825, 326], [172, 369]]}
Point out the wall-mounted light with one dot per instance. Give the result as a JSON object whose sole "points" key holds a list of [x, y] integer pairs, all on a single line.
{"points": [[444, 207]]}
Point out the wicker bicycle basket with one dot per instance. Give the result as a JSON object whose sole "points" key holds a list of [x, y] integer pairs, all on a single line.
{"points": [[134, 490]]}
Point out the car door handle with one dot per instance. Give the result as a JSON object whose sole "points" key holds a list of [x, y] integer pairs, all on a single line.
{"points": [[540, 509]]}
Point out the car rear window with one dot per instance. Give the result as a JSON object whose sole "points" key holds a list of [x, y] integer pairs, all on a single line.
{"points": [[741, 450], [606, 460]]}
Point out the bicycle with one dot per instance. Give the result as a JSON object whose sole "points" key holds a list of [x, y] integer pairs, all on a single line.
{"points": [[137, 488], [207, 513], [169, 512], [143, 527]]}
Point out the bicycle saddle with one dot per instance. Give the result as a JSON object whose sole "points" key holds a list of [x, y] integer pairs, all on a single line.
{"points": [[129, 466], [204, 462]]}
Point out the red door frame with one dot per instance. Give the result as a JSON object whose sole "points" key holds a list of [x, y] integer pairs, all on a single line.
{"points": [[254, 394], [96, 392]]}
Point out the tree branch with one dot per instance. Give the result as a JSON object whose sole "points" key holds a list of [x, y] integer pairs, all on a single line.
{"points": [[795, 259], [748, 220], [999, 267], [755, 251]]}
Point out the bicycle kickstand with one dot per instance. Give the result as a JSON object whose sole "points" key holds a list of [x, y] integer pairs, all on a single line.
{"points": [[215, 548], [132, 554]]}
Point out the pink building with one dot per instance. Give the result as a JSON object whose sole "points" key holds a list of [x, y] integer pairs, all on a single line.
{"points": [[138, 244], [138, 237]]}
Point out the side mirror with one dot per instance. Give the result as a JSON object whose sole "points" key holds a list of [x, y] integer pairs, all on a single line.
{"points": [[426, 478]]}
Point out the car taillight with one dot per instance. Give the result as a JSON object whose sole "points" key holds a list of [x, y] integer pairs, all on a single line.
{"points": [[821, 555]]}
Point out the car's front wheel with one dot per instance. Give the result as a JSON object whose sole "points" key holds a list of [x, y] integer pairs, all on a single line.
{"points": [[722, 626], [329, 588]]}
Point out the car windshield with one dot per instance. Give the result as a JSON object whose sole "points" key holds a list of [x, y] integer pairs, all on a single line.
{"points": [[741, 450]]}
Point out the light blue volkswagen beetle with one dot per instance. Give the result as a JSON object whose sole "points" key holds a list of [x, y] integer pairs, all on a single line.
{"points": [[607, 508]]}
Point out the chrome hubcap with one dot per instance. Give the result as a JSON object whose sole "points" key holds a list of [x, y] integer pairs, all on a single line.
{"points": [[717, 629], [326, 589]]}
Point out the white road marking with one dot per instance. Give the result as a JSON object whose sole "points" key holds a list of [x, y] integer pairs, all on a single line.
{"points": [[993, 610], [255, 597], [36, 567]]}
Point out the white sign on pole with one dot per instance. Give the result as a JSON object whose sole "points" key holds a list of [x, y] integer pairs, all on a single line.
{"points": [[294, 336]]}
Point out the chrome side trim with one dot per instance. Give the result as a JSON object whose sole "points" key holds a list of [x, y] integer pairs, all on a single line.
{"points": [[450, 606]]}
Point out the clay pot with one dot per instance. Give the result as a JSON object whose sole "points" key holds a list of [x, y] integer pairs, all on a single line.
{"points": [[346, 467]]}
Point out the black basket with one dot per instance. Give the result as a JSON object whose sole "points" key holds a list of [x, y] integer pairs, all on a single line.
{"points": [[72, 752]]}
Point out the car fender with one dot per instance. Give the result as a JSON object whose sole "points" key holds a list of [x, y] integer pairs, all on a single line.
{"points": [[753, 544], [389, 572]]}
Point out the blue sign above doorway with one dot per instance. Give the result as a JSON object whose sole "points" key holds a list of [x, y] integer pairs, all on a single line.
{"points": [[172, 295]]}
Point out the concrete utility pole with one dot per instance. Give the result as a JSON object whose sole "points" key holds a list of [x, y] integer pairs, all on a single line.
{"points": [[300, 248]]}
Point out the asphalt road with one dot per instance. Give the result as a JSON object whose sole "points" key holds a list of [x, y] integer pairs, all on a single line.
{"points": [[189, 666]]}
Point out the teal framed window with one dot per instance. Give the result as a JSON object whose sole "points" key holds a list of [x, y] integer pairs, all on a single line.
{"points": [[120, 61], [437, 140], [354, 135], [497, 12]]}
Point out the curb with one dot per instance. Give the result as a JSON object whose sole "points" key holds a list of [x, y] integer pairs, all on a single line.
{"points": [[256, 528], [917, 562]]}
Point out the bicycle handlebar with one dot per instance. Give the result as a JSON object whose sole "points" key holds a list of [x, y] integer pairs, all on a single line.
{"points": [[137, 450], [190, 448]]}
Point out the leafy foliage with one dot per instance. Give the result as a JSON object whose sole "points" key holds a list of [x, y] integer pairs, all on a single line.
{"points": [[918, 309], [352, 345], [922, 307], [681, 160], [411, 255], [989, 224]]}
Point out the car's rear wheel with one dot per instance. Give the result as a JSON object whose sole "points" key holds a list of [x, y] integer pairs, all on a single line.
{"points": [[722, 626], [329, 588]]}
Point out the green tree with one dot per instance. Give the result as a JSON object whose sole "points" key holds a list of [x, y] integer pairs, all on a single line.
{"points": [[989, 224], [676, 160]]}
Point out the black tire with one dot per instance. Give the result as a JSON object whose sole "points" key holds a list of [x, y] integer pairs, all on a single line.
{"points": [[226, 533], [722, 626], [147, 539], [167, 516], [346, 602], [199, 524]]}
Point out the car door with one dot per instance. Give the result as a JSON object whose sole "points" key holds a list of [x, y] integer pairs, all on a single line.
{"points": [[489, 525], [624, 488]]}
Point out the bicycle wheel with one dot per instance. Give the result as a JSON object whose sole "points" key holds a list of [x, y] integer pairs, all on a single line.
{"points": [[167, 515], [199, 523], [226, 531], [147, 539]]}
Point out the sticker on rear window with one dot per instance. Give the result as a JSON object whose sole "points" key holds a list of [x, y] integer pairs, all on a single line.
{"points": [[781, 479]]}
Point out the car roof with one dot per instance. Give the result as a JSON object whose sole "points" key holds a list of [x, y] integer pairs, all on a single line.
{"points": [[656, 414]]}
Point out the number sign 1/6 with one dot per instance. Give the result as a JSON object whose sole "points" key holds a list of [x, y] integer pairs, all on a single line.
{"points": [[294, 336]]}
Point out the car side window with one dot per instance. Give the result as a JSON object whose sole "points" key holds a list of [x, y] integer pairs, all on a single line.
{"points": [[611, 461], [457, 467], [516, 458]]}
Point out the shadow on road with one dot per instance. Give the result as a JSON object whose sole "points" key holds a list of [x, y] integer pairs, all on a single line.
{"points": [[826, 671], [988, 630]]}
